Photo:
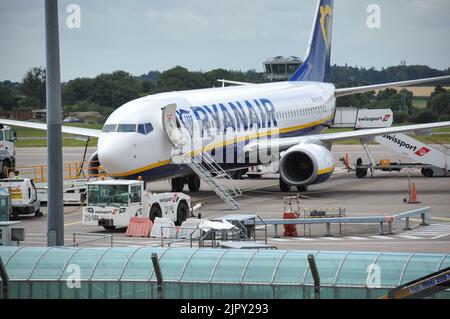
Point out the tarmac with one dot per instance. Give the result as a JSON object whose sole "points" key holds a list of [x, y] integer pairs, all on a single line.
{"points": [[381, 195]]}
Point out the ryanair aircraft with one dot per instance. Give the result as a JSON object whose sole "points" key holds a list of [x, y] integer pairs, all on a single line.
{"points": [[139, 138]]}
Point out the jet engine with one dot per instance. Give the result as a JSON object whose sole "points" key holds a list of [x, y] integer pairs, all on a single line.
{"points": [[94, 168], [306, 164]]}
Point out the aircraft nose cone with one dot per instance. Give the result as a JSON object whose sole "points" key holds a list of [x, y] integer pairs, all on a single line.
{"points": [[115, 154]]}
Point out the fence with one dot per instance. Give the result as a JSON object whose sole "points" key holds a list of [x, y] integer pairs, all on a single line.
{"points": [[381, 220], [71, 170]]}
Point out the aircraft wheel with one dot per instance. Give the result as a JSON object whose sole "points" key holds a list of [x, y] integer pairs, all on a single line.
{"points": [[194, 183], [238, 174], [177, 184], [361, 172], [427, 172], [303, 188], [284, 187]]}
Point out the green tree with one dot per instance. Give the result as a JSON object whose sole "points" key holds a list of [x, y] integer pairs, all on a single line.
{"points": [[347, 101], [440, 104], [85, 106], [7, 99], [214, 75], [386, 94], [425, 116], [179, 78], [114, 89], [29, 102], [33, 85], [76, 90], [401, 117], [437, 90]]}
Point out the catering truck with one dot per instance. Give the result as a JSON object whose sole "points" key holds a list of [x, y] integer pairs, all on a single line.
{"points": [[112, 203], [24, 198]]}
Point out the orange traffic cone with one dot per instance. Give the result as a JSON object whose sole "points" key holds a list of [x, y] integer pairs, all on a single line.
{"points": [[413, 195]]}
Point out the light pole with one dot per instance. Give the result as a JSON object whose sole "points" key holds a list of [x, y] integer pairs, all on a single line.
{"points": [[55, 224]]}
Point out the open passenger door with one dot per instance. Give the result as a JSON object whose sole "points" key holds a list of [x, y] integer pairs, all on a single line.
{"points": [[172, 126]]}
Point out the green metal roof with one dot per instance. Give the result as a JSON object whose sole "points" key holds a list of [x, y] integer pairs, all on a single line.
{"points": [[217, 265]]}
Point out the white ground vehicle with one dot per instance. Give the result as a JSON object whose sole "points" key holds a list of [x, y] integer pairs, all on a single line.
{"points": [[24, 198], [72, 190], [7, 151], [112, 203], [258, 171]]}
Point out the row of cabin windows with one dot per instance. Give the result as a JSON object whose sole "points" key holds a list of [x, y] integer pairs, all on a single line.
{"points": [[301, 112], [284, 114]]}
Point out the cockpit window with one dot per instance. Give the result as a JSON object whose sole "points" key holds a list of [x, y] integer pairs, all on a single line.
{"points": [[141, 129], [126, 128], [109, 128], [148, 128]]}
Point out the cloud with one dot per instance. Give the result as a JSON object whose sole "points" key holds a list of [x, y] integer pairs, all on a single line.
{"points": [[140, 35]]}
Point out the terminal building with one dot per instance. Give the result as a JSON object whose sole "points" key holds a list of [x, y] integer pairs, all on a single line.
{"points": [[281, 68]]}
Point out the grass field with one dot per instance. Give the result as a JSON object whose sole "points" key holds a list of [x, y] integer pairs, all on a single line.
{"points": [[67, 142], [419, 103], [29, 132], [421, 91], [27, 137]]}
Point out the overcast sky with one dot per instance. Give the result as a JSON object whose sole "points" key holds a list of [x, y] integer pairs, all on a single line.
{"points": [[142, 35]]}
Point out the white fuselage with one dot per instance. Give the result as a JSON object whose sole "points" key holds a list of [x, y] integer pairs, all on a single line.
{"points": [[234, 114]]}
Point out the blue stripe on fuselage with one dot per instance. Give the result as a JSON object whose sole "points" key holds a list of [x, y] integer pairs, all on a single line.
{"points": [[175, 170]]}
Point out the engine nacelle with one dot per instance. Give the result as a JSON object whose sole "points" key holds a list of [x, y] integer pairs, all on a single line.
{"points": [[306, 164], [94, 165]]}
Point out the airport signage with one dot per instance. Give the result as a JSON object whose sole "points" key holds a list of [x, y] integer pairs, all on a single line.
{"points": [[430, 283], [374, 118], [403, 144], [414, 149]]}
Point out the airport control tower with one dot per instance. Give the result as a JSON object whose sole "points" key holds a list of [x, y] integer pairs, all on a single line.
{"points": [[281, 68]]}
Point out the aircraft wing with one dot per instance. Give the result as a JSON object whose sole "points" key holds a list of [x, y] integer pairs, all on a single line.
{"points": [[65, 129], [362, 89], [285, 143], [223, 81]]}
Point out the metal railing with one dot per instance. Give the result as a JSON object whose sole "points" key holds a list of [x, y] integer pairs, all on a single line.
{"points": [[218, 179], [99, 237], [381, 220], [71, 170], [169, 241]]}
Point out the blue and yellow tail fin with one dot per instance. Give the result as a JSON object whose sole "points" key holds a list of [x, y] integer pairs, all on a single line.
{"points": [[316, 66]]}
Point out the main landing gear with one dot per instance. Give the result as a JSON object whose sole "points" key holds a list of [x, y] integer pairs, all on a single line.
{"points": [[193, 182], [286, 188]]}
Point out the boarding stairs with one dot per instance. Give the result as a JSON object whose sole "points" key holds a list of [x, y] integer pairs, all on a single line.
{"points": [[201, 163], [219, 180]]}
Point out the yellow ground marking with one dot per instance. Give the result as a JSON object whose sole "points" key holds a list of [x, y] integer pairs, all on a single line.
{"points": [[74, 223]]}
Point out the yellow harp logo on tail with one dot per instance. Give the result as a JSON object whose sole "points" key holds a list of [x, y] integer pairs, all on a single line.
{"points": [[325, 22]]}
